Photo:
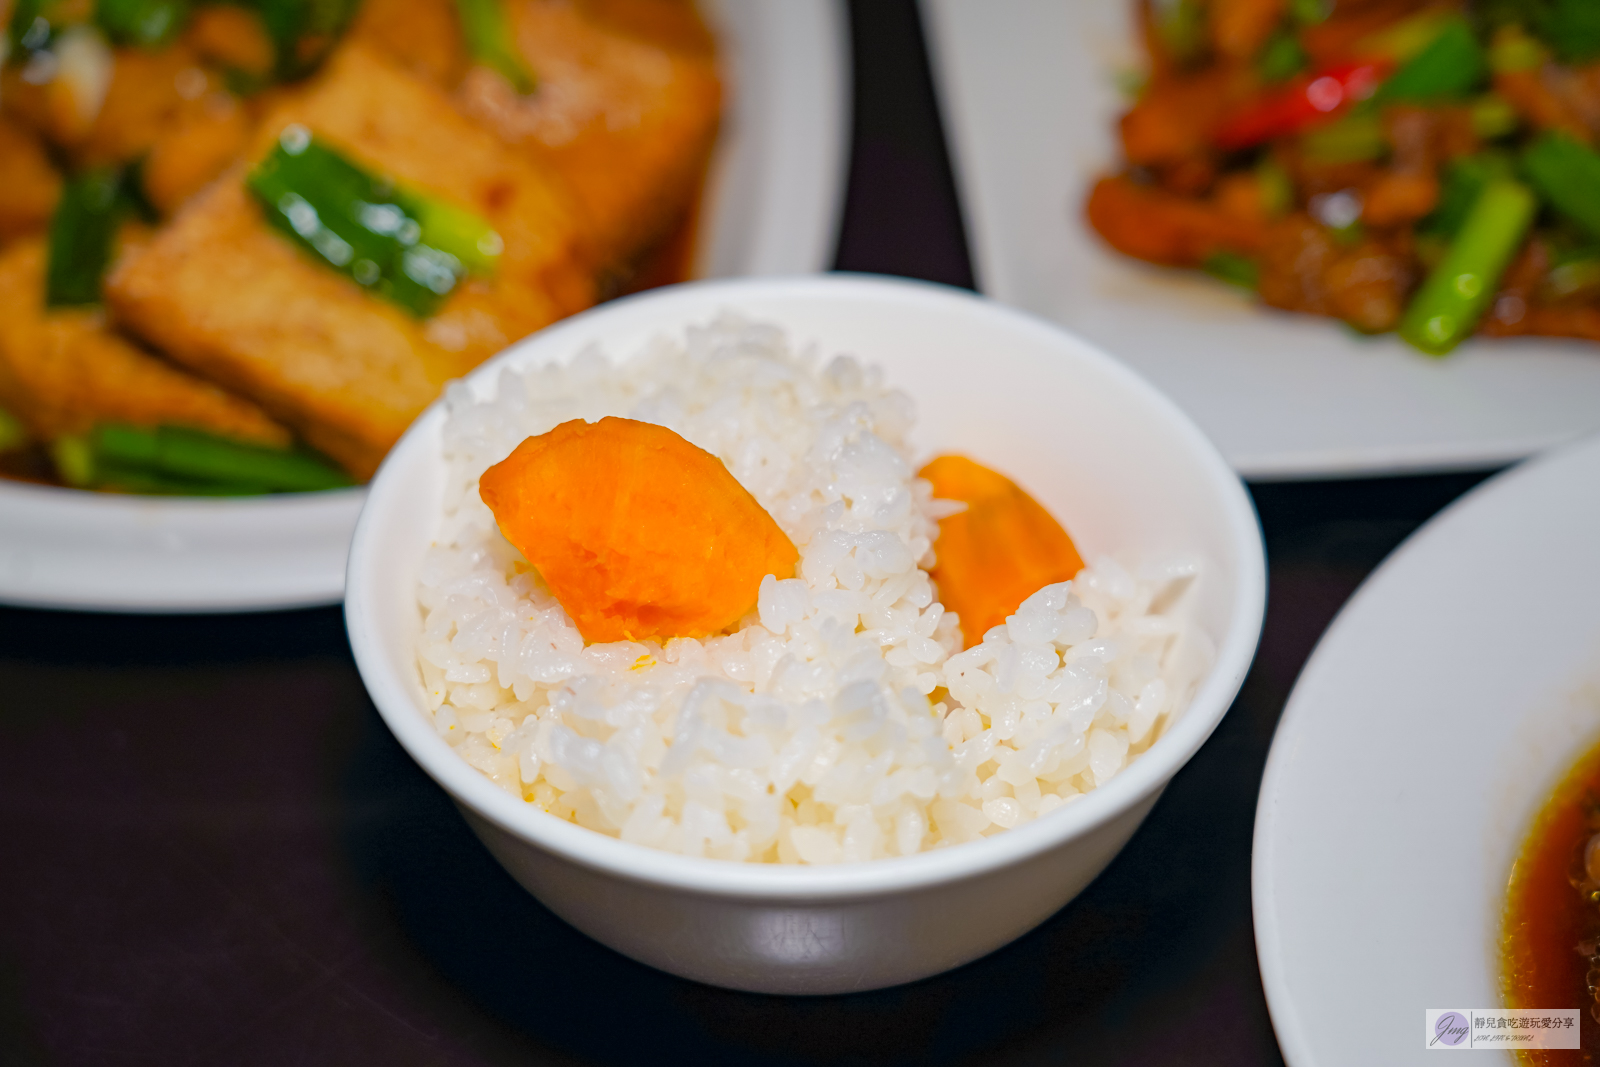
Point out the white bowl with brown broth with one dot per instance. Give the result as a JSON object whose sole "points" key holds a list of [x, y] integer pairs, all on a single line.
{"points": [[1443, 706]]}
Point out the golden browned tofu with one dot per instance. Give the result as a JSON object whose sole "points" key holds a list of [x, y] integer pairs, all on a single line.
{"points": [[236, 301], [62, 371], [29, 185], [627, 121], [673, 23], [195, 148], [231, 36], [423, 36]]}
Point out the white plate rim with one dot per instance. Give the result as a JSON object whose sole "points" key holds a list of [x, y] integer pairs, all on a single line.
{"points": [[1377, 442], [1303, 706]]}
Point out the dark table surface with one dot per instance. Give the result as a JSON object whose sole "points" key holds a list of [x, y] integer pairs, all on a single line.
{"points": [[212, 850]]}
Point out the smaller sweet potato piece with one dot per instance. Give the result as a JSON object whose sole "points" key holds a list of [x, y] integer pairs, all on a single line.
{"points": [[638, 533], [1001, 550]]}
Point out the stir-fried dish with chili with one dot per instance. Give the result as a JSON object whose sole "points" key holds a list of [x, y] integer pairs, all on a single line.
{"points": [[1422, 167], [244, 244]]}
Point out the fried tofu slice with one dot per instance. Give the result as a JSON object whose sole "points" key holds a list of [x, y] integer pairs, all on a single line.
{"points": [[235, 300], [627, 121], [30, 184], [63, 372], [193, 150], [423, 36]]}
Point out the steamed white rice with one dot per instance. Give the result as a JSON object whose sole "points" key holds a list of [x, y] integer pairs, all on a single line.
{"points": [[840, 721]]}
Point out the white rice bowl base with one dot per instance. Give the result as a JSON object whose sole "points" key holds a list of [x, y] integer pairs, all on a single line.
{"points": [[807, 735]]}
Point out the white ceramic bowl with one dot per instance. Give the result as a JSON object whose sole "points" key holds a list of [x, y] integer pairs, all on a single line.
{"points": [[1116, 461], [1436, 716]]}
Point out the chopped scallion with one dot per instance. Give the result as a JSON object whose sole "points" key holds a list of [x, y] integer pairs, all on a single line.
{"points": [[1573, 29], [1233, 269], [143, 23], [1281, 58], [1277, 189], [1451, 66], [13, 434], [1512, 49], [29, 30], [1458, 291], [74, 460], [193, 456], [1567, 174], [491, 42], [303, 31], [1493, 117], [1357, 136], [1463, 181], [82, 233], [408, 247], [1310, 12]]}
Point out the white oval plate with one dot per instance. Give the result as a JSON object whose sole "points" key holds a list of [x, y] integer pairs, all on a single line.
{"points": [[1431, 723], [775, 194], [1028, 92]]}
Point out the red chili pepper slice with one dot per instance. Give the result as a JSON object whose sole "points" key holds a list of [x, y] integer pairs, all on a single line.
{"points": [[1308, 101]]}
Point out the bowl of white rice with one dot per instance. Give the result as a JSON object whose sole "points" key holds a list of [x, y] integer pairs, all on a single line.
{"points": [[834, 794]]}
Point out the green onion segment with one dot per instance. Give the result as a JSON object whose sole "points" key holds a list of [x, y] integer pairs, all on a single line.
{"points": [[1450, 67], [1463, 181], [1233, 269], [490, 42], [29, 29], [407, 247], [1355, 137], [179, 459], [1458, 291], [303, 31], [143, 23], [1281, 58], [1567, 175], [82, 233], [13, 434]]}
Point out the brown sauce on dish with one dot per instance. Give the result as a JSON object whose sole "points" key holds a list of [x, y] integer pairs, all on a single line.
{"points": [[1550, 937]]}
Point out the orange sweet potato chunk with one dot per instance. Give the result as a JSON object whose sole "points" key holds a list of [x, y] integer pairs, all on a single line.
{"points": [[1004, 548], [638, 533]]}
